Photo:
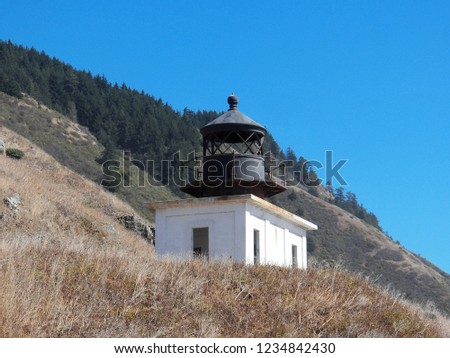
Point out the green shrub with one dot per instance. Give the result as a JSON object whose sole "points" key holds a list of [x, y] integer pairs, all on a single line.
{"points": [[14, 153]]}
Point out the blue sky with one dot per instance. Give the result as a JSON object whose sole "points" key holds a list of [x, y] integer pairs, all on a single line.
{"points": [[369, 80]]}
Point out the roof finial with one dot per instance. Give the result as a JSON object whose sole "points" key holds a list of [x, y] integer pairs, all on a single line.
{"points": [[233, 101]]}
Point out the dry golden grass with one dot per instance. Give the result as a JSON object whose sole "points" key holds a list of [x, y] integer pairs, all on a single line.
{"points": [[69, 270], [80, 289], [55, 200]]}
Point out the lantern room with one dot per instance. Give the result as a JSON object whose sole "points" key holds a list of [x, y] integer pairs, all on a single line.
{"points": [[233, 162]]}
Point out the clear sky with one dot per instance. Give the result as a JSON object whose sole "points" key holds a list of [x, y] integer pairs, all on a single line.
{"points": [[369, 80]]}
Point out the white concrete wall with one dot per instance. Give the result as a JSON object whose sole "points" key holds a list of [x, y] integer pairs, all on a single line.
{"points": [[271, 240], [276, 238], [174, 229]]}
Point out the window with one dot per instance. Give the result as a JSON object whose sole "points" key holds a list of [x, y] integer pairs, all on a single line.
{"points": [[200, 240], [256, 258], [294, 256]]}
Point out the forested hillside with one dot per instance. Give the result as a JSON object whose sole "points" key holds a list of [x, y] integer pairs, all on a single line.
{"points": [[117, 115], [123, 118]]}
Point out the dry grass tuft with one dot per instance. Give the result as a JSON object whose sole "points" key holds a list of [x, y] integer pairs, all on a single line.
{"points": [[69, 270]]}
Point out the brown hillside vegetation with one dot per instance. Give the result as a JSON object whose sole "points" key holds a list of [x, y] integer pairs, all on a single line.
{"points": [[361, 248], [341, 237], [70, 270]]}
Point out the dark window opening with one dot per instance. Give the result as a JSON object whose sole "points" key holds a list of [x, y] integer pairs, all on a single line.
{"points": [[256, 259], [294, 256]]}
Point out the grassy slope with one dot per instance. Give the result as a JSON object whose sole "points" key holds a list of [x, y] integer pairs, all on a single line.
{"points": [[69, 270], [362, 248], [72, 145]]}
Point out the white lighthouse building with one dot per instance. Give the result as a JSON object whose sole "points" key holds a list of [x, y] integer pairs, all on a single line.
{"points": [[229, 219]]}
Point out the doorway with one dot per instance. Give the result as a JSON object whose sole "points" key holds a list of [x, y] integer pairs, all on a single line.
{"points": [[200, 237]]}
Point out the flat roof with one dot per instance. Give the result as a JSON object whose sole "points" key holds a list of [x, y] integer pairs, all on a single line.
{"points": [[245, 198]]}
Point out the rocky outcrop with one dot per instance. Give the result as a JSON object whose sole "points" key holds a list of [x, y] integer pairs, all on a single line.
{"points": [[2, 146], [13, 202], [135, 223]]}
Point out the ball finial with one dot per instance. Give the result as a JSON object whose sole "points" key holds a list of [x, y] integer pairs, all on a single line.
{"points": [[233, 101]]}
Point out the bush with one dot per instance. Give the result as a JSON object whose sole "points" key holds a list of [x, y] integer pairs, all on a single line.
{"points": [[14, 153]]}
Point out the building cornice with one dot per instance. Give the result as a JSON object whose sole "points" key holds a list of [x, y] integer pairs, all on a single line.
{"points": [[235, 199]]}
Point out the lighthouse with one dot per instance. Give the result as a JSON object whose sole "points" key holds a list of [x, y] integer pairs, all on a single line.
{"points": [[228, 217]]}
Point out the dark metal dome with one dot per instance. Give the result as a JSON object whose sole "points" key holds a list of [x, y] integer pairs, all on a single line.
{"points": [[231, 121]]}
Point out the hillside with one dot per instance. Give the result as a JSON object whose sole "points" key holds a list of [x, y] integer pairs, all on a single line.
{"points": [[362, 248], [69, 269], [341, 238], [71, 144]]}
